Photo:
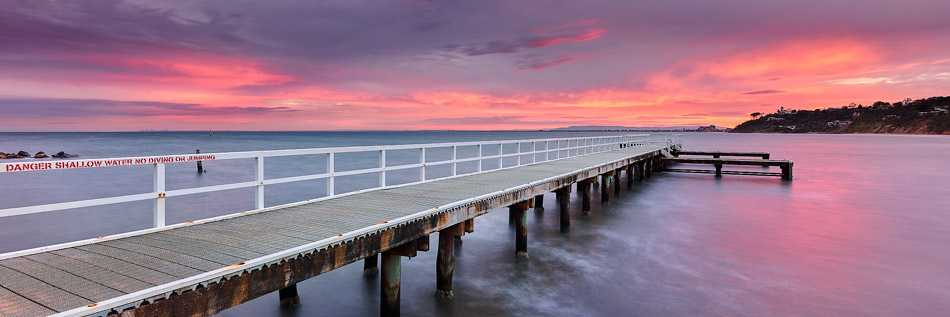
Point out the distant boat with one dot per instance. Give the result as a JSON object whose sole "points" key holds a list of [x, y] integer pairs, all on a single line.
{"points": [[209, 131]]}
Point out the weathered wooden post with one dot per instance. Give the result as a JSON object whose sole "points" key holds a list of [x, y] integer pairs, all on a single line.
{"points": [[616, 181], [630, 176], [389, 284], [564, 203], [585, 196], [648, 169], [390, 277], [288, 296], [200, 169], [605, 187], [539, 202], [787, 171], [521, 232], [445, 260], [369, 265], [641, 171], [718, 169]]}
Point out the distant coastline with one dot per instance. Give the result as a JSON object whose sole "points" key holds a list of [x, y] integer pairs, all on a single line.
{"points": [[922, 116]]}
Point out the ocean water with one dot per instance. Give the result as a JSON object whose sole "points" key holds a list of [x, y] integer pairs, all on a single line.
{"points": [[863, 228]]}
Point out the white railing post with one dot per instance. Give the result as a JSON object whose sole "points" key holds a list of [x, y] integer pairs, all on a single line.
{"points": [[330, 174], [455, 160], [519, 155], [557, 155], [500, 157], [479, 157], [259, 178], [422, 160], [382, 166], [534, 148], [158, 217]]}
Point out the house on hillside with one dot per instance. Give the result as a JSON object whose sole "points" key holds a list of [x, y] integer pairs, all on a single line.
{"points": [[839, 123], [774, 119]]}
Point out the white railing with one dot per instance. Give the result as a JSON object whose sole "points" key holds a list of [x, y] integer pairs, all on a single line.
{"points": [[669, 139], [553, 149]]}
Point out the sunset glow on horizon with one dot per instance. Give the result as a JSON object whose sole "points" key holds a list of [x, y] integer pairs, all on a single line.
{"points": [[114, 65]]}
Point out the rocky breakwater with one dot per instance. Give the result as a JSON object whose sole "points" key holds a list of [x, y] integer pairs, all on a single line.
{"points": [[41, 154]]}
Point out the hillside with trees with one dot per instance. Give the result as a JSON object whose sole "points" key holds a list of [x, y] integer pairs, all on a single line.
{"points": [[922, 116]]}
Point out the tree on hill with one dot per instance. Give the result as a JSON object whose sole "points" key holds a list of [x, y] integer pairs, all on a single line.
{"points": [[755, 115]]}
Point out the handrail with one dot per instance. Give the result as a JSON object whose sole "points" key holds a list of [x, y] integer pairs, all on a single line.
{"points": [[553, 148]]}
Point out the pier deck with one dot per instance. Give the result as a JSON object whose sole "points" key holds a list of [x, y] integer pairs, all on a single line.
{"points": [[202, 268]]}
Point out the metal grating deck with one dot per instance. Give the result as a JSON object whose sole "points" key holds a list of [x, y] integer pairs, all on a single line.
{"points": [[60, 280]]}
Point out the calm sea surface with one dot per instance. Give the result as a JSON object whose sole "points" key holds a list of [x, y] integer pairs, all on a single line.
{"points": [[864, 228]]}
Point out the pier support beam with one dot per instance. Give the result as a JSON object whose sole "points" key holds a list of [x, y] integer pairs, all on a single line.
{"points": [[539, 202], [389, 284], [564, 203], [605, 187], [390, 276], [288, 296], [445, 260], [616, 181], [584, 187], [641, 171], [787, 171], [630, 175], [718, 170], [369, 265], [521, 231], [648, 169]]}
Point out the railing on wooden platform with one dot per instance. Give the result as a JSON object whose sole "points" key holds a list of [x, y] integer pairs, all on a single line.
{"points": [[538, 150]]}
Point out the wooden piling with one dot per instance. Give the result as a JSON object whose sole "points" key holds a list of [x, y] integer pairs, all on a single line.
{"points": [[288, 296], [585, 196], [787, 171], [539, 202], [564, 203], [629, 175], [200, 169], [718, 170], [445, 263], [369, 265], [521, 232], [605, 188], [616, 181], [641, 171], [389, 284], [649, 168]]}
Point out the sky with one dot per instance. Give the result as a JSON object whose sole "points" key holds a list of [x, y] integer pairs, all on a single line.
{"points": [[114, 65]]}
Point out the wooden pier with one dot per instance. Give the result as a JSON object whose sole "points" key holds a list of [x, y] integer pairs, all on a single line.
{"points": [[204, 267], [718, 162]]}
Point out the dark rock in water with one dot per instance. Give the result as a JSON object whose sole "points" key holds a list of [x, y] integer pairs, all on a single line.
{"points": [[62, 154], [23, 154], [40, 155], [3, 155]]}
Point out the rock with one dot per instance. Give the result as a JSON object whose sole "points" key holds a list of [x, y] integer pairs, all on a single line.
{"points": [[23, 154], [3, 155], [62, 154], [40, 155]]}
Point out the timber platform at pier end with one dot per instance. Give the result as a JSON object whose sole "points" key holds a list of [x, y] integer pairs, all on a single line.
{"points": [[205, 266]]}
